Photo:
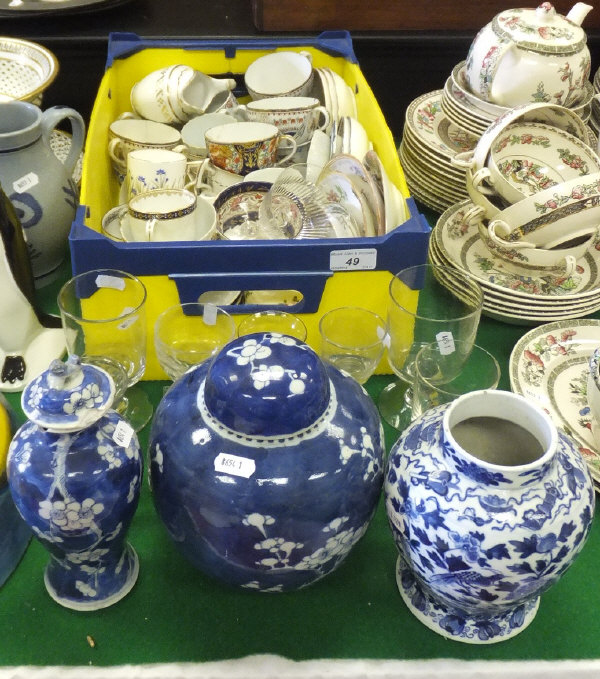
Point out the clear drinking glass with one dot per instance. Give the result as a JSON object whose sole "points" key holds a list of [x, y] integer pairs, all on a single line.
{"points": [[427, 303], [443, 373], [273, 320], [104, 320], [352, 339], [188, 334]]}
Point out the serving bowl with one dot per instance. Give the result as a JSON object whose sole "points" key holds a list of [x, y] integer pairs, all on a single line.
{"points": [[26, 70]]}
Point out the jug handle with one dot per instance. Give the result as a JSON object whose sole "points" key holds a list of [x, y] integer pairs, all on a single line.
{"points": [[51, 118]]}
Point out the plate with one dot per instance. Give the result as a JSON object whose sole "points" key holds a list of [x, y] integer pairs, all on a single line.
{"points": [[393, 201], [340, 188], [550, 364], [12, 8]]}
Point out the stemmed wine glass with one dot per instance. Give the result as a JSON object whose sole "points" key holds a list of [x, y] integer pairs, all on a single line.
{"points": [[104, 320], [427, 303]]}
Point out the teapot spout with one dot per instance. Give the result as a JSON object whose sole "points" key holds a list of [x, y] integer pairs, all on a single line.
{"points": [[578, 12]]}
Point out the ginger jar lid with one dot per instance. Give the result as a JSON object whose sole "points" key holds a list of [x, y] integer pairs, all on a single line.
{"points": [[543, 29], [69, 396], [267, 384]]}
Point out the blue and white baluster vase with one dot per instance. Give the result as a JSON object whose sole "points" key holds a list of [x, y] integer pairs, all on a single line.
{"points": [[489, 505], [74, 472]]}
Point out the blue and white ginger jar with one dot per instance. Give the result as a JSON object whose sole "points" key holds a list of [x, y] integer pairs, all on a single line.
{"points": [[480, 541], [266, 464], [74, 471]]}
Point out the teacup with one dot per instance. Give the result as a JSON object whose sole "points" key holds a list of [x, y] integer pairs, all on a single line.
{"points": [[161, 215], [280, 74], [211, 180], [152, 169], [299, 116], [192, 133], [244, 146], [130, 134]]}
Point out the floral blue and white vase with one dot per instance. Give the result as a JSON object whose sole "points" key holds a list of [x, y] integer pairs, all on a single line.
{"points": [[74, 471], [489, 505], [266, 464]]}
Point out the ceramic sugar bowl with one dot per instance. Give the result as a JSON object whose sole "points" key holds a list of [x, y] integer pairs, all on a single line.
{"points": [[266, 464], [531, 55], [489, 505], [74, 471]]}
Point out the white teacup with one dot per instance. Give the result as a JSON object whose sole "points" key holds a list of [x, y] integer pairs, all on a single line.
{"points": [[299, 116], [192, 133], [278, 74], [161, 215], [244, 146], [131, 134], [152, 169]]}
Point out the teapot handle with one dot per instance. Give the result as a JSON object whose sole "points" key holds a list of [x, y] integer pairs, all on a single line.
{"points": [[503, 48], [51, 118]]}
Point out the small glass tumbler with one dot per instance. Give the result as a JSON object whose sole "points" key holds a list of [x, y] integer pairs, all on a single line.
{"points": [[273, 320], [443, 372], [353, 340], [188, 334]]}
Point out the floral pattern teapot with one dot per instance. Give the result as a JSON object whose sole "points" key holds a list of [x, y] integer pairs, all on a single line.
{"points": [[531, 55]]}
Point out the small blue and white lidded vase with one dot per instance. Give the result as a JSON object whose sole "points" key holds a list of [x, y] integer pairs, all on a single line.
{"points": [[489, 504], [74, 471], [266, 464]]}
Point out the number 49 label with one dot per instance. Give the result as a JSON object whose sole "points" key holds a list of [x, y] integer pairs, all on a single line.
{"points": [[235, 465], [353, 260]]}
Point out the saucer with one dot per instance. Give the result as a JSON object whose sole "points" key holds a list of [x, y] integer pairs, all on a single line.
{"points": [[127, 235], [550, 365], [393, 200]]}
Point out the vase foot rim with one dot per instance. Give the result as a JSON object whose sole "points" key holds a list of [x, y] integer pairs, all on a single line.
{"points": [[435, 614], [97, 604]]}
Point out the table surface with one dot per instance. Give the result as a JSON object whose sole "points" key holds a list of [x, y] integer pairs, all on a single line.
{"points": [[176, 613]]}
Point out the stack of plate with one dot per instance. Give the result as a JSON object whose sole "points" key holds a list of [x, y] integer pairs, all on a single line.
{"points": [[335, 94], [594, 121], [550, 364], [513, 293], [429, 143]]}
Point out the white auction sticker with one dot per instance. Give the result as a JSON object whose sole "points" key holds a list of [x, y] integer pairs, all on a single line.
{"points": [[445, 342], [235, 465], [353, 260], [26, 182], [122, 434]]}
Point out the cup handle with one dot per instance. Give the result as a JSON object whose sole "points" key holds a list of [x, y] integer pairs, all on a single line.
{"points": [[477, 179], [292, 150], [463, 159], [113, 145], [570, 265], [307, 55], [499, 238], [326, 117]]}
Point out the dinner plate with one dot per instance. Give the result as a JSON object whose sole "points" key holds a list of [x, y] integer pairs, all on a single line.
{"points": [[549, 364], [13, 8]]}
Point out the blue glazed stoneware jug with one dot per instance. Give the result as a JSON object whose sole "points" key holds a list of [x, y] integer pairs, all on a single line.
{"points": [[74, 471], [39, 185], [266, 464]]}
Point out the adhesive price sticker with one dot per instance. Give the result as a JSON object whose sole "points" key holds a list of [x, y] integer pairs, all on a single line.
{"points": [[445, 342], [353, 260], [235, 465]]}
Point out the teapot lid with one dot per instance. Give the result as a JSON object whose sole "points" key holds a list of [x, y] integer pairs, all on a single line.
{"points": [[267, 384], [69, 396], [541, 29]]}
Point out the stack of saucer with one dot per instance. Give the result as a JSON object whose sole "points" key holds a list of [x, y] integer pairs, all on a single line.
{"points": [[429, 143], [513, 293]]}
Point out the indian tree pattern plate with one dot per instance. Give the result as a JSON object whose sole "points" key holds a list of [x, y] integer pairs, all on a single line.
{"points": [[427, 121], [458, 240], [550, 365]]}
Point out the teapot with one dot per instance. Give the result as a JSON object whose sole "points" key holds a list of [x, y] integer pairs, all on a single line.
{"points": [[531, 55], [38, 184]]}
